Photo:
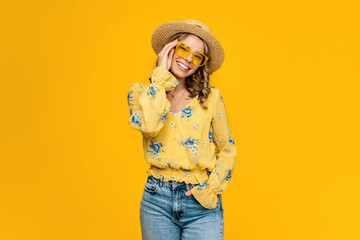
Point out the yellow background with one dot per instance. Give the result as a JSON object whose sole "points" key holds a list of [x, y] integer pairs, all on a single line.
{"points": [[72, 168]]}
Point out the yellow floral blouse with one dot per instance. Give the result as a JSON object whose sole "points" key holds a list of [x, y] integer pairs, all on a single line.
{"points": [[194, 146]]}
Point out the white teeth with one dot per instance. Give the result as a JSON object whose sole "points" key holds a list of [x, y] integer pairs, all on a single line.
{"points": [[183, 66]]}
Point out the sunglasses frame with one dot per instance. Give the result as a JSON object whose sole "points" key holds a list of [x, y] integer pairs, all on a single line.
{"points": [[190, 52]]}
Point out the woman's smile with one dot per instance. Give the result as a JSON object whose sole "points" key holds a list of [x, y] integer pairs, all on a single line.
{"points": [[182, 66]]}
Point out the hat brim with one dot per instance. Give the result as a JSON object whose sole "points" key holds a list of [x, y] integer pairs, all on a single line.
{"points": [[162, 34]]}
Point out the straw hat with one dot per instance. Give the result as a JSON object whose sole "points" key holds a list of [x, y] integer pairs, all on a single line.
{"points": [[162, 34]]}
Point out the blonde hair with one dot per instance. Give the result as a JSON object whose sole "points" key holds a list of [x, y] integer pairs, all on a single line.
{"points": [[202, 73]]}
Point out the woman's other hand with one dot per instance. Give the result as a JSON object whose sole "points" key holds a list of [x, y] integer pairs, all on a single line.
{"points": [[188, 193], [166, 55]]}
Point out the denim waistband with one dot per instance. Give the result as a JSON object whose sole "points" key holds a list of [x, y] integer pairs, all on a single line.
{"points": [[194, 176], [171, 183]]}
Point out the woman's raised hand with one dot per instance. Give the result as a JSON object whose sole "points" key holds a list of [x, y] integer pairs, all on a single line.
{"points": [[166, 55]]}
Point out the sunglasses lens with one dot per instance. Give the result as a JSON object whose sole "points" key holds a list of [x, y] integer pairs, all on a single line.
{"points": [[198, 59], [182, 51]]}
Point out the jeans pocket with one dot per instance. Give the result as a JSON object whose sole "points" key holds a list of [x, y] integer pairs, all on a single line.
{"points": [[151, 185]]}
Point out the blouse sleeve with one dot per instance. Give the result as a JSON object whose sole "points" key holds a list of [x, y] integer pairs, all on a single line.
{"points": [[206, 192], [148, 104]]}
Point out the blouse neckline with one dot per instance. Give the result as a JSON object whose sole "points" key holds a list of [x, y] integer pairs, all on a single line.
{"points": [[186, 106]]}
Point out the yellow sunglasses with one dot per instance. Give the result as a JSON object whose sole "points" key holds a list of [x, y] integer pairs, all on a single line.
{"points": [[183, 50]]}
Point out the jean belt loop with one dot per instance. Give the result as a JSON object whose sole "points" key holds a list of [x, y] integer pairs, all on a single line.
{"points": [[161, 181]]}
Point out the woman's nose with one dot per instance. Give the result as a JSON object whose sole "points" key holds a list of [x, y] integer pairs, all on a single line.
{"points": [[189, 58]]}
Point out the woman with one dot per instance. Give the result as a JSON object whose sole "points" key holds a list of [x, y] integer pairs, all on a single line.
{"points": [[186, 136]]}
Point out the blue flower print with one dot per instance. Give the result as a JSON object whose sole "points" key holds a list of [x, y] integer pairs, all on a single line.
{"points": [[155, 148], [163, 119], [152, 91], [136, 120], [129, 97], [231, 141], [201, 185], [228, 176], [210, 135], [195, 126], [187, 112], [190, 143], [221, 99], [219, 115], [203, 143], [187, 172]]}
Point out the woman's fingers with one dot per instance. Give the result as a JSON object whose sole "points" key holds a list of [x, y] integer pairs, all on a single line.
{"points": [[166, 54], [168, 46]]}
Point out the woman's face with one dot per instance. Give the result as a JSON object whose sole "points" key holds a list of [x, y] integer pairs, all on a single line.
{"points": [[196, 45]]}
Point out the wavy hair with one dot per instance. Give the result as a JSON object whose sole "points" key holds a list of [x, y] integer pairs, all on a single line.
{"points": [[202, 73]]}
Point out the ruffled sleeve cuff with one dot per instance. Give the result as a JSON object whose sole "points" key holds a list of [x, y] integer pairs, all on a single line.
{"points": [[162, 77], [205, 196]]}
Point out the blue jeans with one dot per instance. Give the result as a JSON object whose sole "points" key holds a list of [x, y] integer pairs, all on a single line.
{"points": [[166, 213]]}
